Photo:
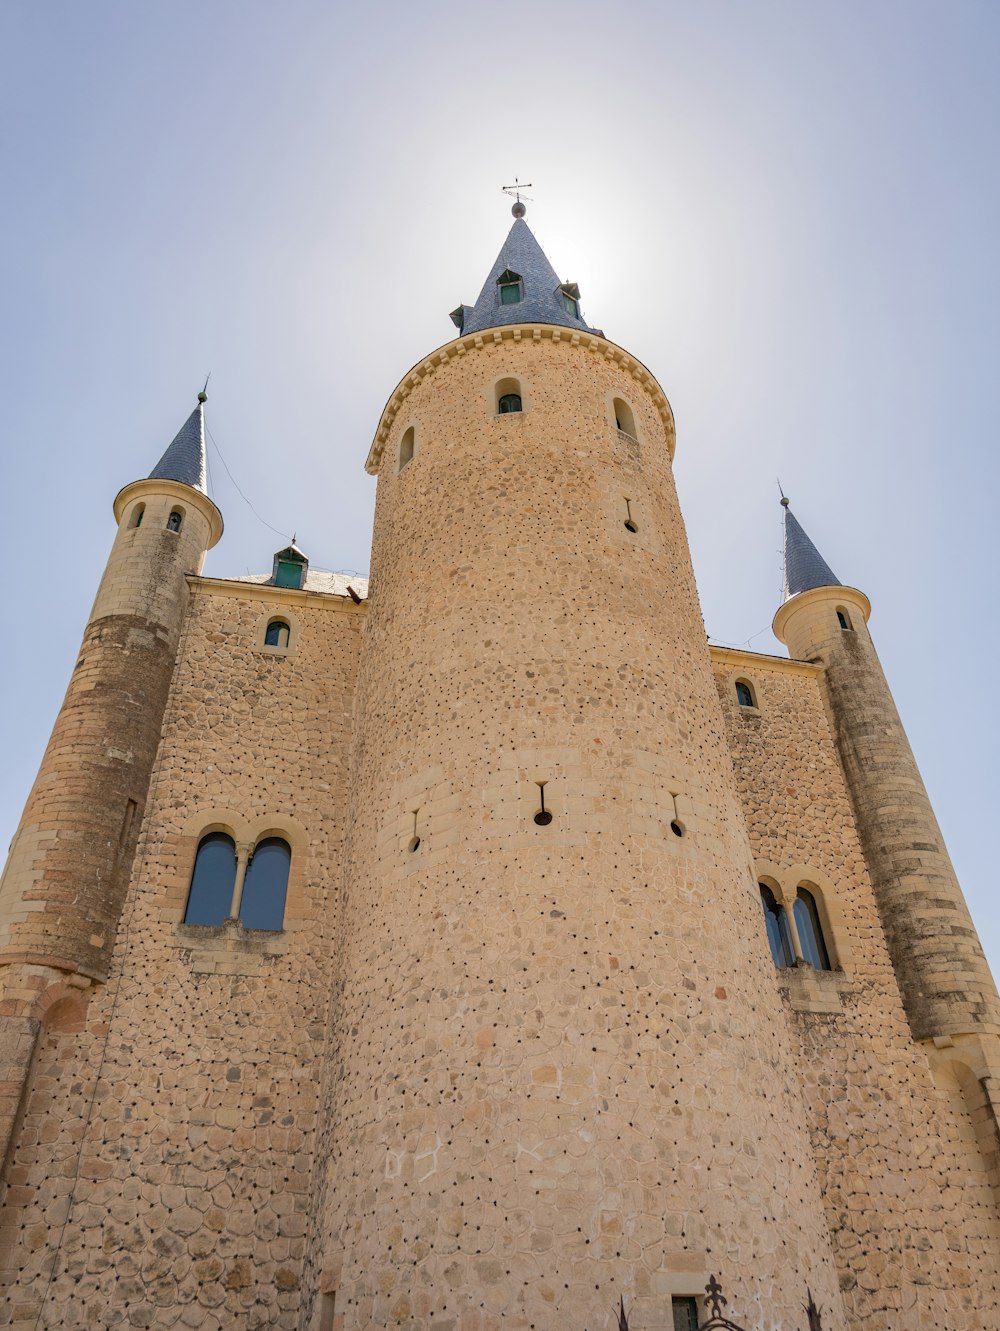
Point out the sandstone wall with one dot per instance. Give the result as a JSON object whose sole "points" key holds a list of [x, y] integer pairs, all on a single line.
{"points": [[162, 1170], [907, 1189]]}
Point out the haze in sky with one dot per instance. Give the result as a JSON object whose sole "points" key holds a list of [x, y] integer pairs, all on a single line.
{"points": [[788, 211]]}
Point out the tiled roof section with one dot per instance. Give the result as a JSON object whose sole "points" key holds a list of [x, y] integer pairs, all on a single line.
{"points": [[542, 299], [184, 460], [805, 567], [317, 580]]}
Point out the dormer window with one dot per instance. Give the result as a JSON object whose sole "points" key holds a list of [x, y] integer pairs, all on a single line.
{"points": [[569, 294], [290, 568], [511, 287]]}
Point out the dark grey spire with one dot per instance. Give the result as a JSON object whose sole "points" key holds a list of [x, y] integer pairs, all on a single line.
{"points": [[527, 279], [805, 567], [184, 460]]}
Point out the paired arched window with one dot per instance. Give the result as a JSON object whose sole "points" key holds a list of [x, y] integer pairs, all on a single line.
{"points": [[277, 633], [210, 896], [808, 943], [510, 287], [843, 618], [406, 448], [508, 396], [217, 892], [624, 418], [810, 931], [744, 694], [778, 933], [175, 520]]}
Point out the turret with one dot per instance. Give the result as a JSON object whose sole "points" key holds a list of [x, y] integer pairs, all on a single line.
{"points": [[62, 890], [553, 958], [946, 985]]}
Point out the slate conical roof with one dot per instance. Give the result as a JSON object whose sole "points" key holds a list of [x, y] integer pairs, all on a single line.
{"points": [[542, 292], [805, 567], [184, 460]]}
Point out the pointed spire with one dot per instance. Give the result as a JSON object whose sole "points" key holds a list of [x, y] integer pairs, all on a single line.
{"points": [[522, 287], [805, 567], [185, 459]]}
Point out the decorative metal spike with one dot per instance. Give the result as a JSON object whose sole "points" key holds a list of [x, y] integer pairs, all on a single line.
{"points": [[715, 1300], [813, 1313]]}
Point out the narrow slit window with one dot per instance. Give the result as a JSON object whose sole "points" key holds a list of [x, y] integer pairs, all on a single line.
{"points": [[779, 935], [175, 520], [137, 514], [277, 633], [262, 905], [211, 893], [810, 929], [406, 448], [844, 619]]}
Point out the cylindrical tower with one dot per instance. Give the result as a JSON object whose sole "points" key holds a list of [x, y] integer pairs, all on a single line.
{"points": [[559, 1069], [943, 976], [63, 887]]}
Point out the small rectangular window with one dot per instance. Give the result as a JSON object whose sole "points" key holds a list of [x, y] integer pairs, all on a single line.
{"points": [[327, 1305], [685, 1310], [510, 293], [288, 574]]}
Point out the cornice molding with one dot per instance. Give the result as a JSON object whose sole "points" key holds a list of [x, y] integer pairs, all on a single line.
{"points": [[266, 591], [492, 337], [737, 656]]}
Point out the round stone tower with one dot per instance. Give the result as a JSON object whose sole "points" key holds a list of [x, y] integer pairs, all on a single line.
{"points": [[945, 980], [559, 1070], [65, 880]]}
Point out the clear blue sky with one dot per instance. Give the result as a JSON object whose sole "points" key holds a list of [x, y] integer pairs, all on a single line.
{"points": [[789, 211]]}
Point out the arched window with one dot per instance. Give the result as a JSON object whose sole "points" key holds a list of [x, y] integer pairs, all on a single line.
{"points": [[406, 448], [277, 634], [174, 521], [136, 519], [210, 896], [744, 694], [843, 618], [624, 419], [263, 903], [810, 930], [508, 395], [510, 287], [778, 934]]}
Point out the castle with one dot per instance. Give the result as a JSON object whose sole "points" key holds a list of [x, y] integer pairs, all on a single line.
{"points": [[482, 949]]}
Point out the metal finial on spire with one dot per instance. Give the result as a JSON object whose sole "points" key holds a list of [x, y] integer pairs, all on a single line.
{"points": [[203, 395], [784, 498], [518, 209]]}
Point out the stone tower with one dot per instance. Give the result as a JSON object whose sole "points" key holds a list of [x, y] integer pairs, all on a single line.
{"points": [[549, 1020], [948, 992], [62, 891]]}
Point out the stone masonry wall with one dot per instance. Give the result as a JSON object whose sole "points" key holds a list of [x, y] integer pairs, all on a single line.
{"points": [[162, 1169], [913, 1218]]}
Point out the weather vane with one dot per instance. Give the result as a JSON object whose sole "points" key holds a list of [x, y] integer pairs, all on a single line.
{"points": [[518, 209]]}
